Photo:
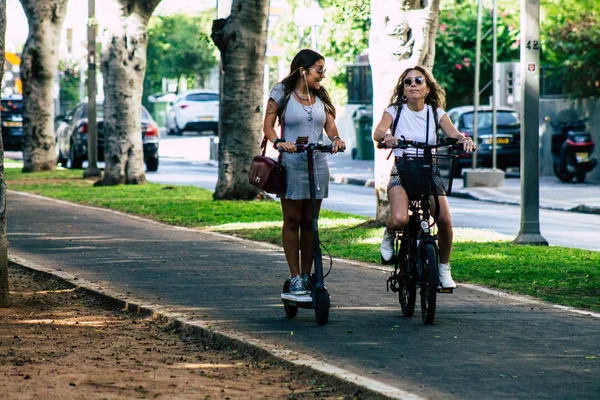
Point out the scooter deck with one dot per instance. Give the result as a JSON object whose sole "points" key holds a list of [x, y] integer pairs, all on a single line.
{"points": [[298, 299], [445, 290]]}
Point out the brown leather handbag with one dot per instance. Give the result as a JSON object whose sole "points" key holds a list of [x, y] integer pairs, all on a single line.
{"points": [[266, 173]]}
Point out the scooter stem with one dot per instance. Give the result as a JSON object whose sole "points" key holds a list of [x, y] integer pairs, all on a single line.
{"points": [[317, 256]]}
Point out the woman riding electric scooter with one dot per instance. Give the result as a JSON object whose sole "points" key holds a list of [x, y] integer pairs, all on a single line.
{"points": [[304, 110]]}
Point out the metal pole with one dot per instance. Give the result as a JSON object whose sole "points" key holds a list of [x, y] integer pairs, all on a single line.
{"points": [[494, 83], [477, 71], [530, 110], [92, 168]]}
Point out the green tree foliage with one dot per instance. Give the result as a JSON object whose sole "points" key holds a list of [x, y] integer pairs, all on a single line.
{"points": [[343, 35], [571, 44], [454, 66], [179, 46], [68, 73]]}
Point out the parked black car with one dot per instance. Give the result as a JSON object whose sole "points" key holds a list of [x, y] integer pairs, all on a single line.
{"points": [[72, 139], [508, 136], [12, 122]]}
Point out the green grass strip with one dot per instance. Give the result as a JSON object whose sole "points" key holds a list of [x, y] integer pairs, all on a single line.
{"points": [[560, 275]]}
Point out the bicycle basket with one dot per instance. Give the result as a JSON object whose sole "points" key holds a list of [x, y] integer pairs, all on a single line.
{"points": [[420, 178]]}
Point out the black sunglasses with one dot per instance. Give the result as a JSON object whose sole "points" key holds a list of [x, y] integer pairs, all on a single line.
{"points": [[418, 80]]}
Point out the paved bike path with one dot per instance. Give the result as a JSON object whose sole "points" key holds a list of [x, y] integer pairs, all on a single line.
{"points": [[482, 346]]}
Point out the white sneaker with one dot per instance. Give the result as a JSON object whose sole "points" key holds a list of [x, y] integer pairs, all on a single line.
{"points": [[445, 277], [387, 246]]}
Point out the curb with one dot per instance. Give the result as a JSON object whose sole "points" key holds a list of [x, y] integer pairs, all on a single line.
{"points": [[364, 387], [345, 180], [582, 209]]}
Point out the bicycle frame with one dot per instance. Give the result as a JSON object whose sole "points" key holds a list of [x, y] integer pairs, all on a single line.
{"points": [[421, 268]]}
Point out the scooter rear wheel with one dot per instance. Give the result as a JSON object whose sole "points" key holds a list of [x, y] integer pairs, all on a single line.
{"points": [[290, 310], [561, 172]]}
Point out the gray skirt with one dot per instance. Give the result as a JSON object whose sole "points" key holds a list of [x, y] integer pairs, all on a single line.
{"points": [[296, 174]]}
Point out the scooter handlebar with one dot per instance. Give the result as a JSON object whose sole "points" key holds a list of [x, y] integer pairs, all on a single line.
{"points": [[323, 148]]}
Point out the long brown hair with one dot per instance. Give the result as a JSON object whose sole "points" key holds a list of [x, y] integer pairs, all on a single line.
{"points": [[436, 97], [305, 58]]}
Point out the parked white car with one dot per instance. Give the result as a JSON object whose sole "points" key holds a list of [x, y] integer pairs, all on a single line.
{"points": [[194, 110]]}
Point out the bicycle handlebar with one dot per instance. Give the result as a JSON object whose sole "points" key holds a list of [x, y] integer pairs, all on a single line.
{"points": [[406, 143]]}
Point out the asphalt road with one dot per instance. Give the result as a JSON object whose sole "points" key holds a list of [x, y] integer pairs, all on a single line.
{"points": [[482, 346], [559, 228]]}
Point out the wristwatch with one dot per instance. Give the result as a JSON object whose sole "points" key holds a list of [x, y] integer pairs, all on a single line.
{"points": [[278, 140]]}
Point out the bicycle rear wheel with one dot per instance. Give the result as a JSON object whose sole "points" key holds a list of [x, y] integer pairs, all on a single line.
{"points": [[406, 281], [428, 282]]}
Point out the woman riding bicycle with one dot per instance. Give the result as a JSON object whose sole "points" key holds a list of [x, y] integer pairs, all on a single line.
{"points": [[419, 98]]}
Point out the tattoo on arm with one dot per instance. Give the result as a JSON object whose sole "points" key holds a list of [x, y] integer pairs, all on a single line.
{"points": [[271, 107]]}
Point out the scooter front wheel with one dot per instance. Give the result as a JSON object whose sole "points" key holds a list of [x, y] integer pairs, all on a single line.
{"points": [[322, 306]]}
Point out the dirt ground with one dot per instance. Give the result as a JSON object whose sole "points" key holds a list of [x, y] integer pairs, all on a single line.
{"points": [[57, 341]]}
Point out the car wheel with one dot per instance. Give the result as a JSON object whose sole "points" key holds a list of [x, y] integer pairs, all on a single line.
{"points": [[62, 160], [152, 164], [75, 161], [178, 131]]}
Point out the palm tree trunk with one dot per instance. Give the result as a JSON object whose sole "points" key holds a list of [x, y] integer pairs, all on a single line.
{"points": [[4, 298], [402, 35], [39, 67], [123, 69], [242, 41]]}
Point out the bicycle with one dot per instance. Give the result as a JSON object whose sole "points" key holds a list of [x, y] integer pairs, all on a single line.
{"points": [[319, 298], [416, 253]]}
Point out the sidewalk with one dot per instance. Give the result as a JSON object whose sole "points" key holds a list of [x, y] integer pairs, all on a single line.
{"points": [[554, 195], [484, 344]]}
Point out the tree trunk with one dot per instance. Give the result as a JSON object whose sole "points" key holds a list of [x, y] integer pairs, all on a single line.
{"points": [[402, 35], [39, 67], [242, 41], [123, 69], [4, 298]]}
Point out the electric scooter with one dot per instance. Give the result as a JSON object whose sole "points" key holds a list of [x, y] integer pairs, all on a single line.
{"points": [[318, 299], [571, 148]]}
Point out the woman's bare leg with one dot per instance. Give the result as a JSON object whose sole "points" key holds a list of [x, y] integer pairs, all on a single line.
{"points": [[444, 224], [292, 219], [307, 236], [398, 209]]}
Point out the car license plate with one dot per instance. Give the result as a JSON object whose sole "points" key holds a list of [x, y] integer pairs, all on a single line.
{"points": [[205, 117], [12, 124], [582, 157], [502, 140]]}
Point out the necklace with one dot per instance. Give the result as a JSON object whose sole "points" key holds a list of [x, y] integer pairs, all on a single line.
{"points": [[301, 97], [309, 112]]}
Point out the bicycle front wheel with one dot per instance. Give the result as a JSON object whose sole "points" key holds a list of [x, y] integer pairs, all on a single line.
{"points": [[428, 282], [407, 282]]}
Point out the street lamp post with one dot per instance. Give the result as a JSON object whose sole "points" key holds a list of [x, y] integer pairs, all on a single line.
{"points": [[530, 110], [92, 168]]}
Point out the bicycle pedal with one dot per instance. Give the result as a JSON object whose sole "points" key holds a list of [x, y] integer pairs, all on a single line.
{"points": [[445, 290]]}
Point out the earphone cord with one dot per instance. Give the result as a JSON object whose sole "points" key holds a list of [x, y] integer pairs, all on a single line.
{"points": [[314, 131]]}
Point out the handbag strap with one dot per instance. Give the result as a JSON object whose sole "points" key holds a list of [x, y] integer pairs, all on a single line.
{"points": [[263, 145]]}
